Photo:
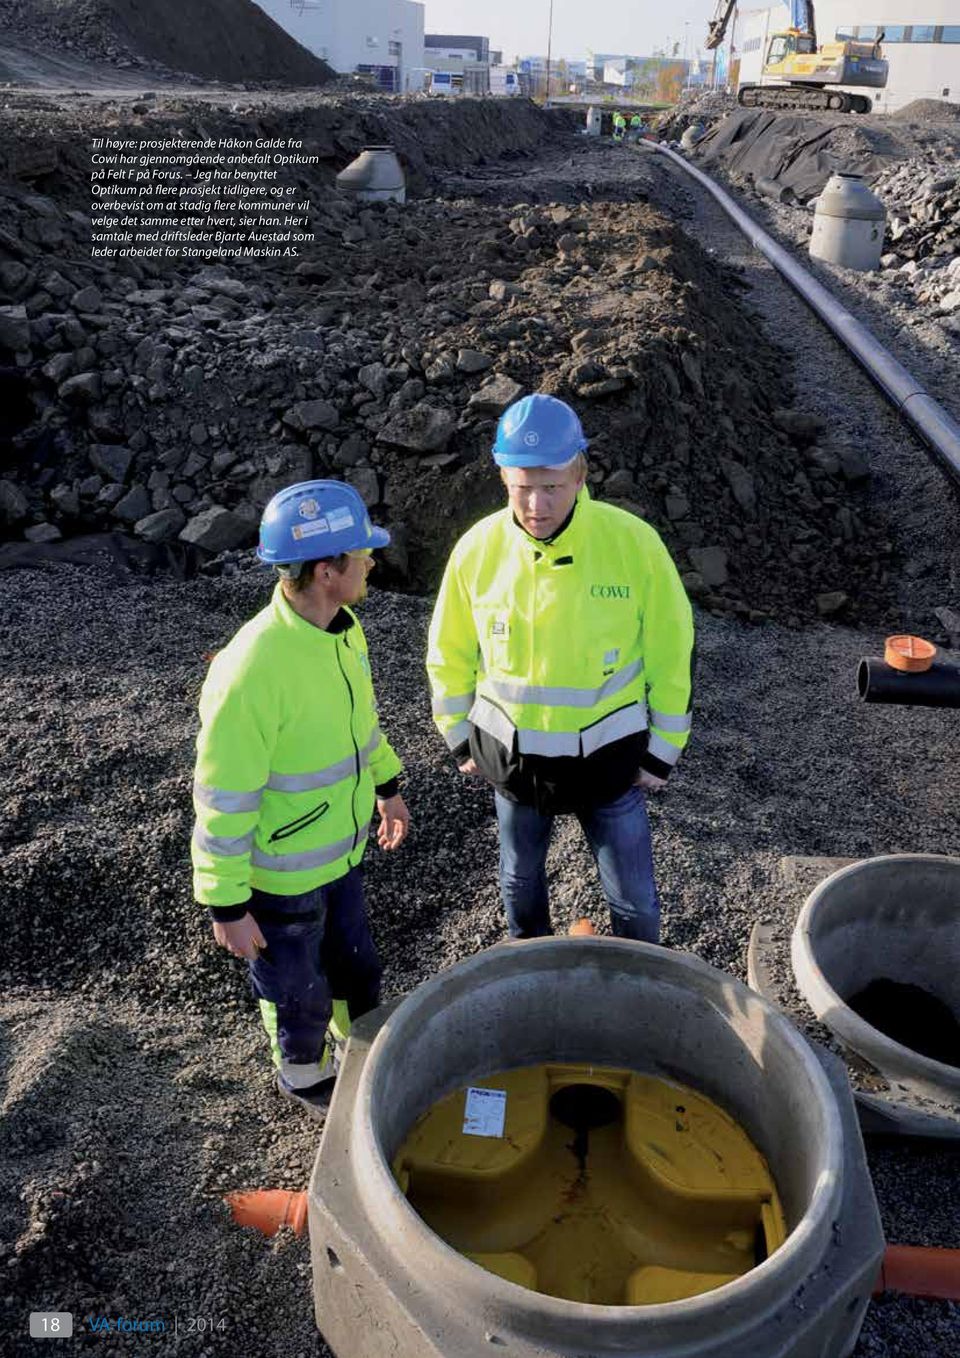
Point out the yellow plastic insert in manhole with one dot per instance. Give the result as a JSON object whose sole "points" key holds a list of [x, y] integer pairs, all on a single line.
{"points": [[591, 1184]]}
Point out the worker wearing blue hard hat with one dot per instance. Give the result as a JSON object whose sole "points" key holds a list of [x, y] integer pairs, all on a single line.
{"points": [[560, 658], [291, 763]]}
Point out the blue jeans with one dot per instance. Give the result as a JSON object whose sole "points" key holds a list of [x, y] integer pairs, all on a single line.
{"points": [[619, 835], [319, 947]]}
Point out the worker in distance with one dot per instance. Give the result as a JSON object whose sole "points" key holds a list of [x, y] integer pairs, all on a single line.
{"points": [[291, 762], [560, 657]]}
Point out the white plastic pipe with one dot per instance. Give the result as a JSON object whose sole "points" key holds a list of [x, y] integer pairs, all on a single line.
{"points": [[936, 426]]}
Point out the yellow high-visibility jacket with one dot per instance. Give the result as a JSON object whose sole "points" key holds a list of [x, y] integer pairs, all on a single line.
{"points": [[289, 756], [565, 662]]}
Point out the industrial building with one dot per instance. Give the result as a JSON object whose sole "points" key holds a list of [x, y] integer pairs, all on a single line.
{"points": [[380, 39], [465, 56], [921, 42]]}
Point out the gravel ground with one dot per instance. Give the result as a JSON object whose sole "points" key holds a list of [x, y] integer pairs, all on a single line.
{"points": [[118, 1008]]}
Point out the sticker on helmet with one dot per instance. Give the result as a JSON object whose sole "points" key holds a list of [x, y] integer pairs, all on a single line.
{"points": [[309, 509], [531, 439], [340, 519], [310, 530]]}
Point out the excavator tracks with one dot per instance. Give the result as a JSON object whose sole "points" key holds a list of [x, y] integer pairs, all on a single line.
{"points": [[802, 97]]}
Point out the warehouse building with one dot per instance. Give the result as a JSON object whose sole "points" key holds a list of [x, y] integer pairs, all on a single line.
{"points": [[380, 39], [921, 41]]}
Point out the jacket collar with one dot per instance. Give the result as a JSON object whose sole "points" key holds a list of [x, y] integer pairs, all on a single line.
{"points": [[343, 621], [567, 539]]}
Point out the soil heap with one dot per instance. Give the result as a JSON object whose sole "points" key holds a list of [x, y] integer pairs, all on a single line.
{"points": [[232, 40]]}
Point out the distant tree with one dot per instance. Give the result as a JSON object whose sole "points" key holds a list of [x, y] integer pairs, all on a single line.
{"points": [[670, 78]]}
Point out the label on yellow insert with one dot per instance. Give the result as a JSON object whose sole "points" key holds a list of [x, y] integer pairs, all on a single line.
{"points": [[484, 1112]]}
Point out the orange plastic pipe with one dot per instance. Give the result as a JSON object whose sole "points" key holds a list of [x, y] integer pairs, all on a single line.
{"points": [[268, 1209], [920, 1271]]}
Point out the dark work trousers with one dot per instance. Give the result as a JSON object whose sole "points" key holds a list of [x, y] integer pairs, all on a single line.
{"points": [[318, 947]]}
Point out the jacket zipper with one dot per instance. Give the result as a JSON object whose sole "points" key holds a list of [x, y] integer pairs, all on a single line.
{"points": [[356, 752]]}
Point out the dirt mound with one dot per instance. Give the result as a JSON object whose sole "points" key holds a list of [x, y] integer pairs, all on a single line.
{"points": [[231, 40], [928, 111], [703, 107], [177, 400]]}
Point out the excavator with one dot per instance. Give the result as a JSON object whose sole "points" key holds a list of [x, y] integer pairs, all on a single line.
{"points": [[803, 75]]}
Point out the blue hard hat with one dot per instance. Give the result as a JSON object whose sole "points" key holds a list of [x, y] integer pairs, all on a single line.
{"points": [[538, 431], [313, 520]]}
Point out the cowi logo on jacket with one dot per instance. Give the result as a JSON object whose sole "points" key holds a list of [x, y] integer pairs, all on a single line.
{"points": [[609, 591]]}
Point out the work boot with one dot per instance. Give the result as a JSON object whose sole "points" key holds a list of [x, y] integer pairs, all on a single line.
{"points": [[314, 1101]]}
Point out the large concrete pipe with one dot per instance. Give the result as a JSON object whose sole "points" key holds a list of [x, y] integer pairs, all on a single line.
{"points": [[896, 920], [385, 1283]]}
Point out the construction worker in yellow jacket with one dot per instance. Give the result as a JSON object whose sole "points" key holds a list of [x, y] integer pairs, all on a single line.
{"points": [[560, 657], [290, 764]]}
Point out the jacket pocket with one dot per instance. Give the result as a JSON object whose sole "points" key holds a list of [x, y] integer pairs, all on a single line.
{"points": [[295, 826]]}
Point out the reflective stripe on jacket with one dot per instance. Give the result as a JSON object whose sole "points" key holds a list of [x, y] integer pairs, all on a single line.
{"points": [[288, 758], [560, 648]]}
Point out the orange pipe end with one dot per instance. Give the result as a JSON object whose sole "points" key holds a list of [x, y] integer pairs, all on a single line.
{"points": [[267, 1209], [910, 655], [581, 928], [920, 1271]]}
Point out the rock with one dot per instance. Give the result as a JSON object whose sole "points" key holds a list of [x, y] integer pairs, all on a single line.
{"points": [[198, 434], [351, 450], [831, 602], [83, 389], [136, 504], [308, 415], [87, 299], [568, 243], [798, 425], [711, 564], [677, 507], [950, 619], [441, 370], [218, 530], [949, 303], [375, 378], [13, 502], [66, 499], [112, 459], [495, 396], [694, 583], [620, 485], [109, 495], [853, 467], [43, 532], [160, 527], [741, 484], [423, 429], [501, 291], [472, 361], [14, 328], [365, 480], [59, 368]]}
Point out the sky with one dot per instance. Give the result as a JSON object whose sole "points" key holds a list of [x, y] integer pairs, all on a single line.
{"points": [[519, 27]]}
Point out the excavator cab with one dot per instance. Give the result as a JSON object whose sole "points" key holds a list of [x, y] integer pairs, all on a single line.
{"points": [[783, 46]]}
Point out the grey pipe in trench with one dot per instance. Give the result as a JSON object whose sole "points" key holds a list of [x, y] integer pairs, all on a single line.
{"points": [[936, 427]]}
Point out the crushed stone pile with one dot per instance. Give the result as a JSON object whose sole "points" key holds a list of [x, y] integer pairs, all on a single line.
{"points": [[227, 40], [693, 107], [922, 197], [928, 111], [172, 401]]}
